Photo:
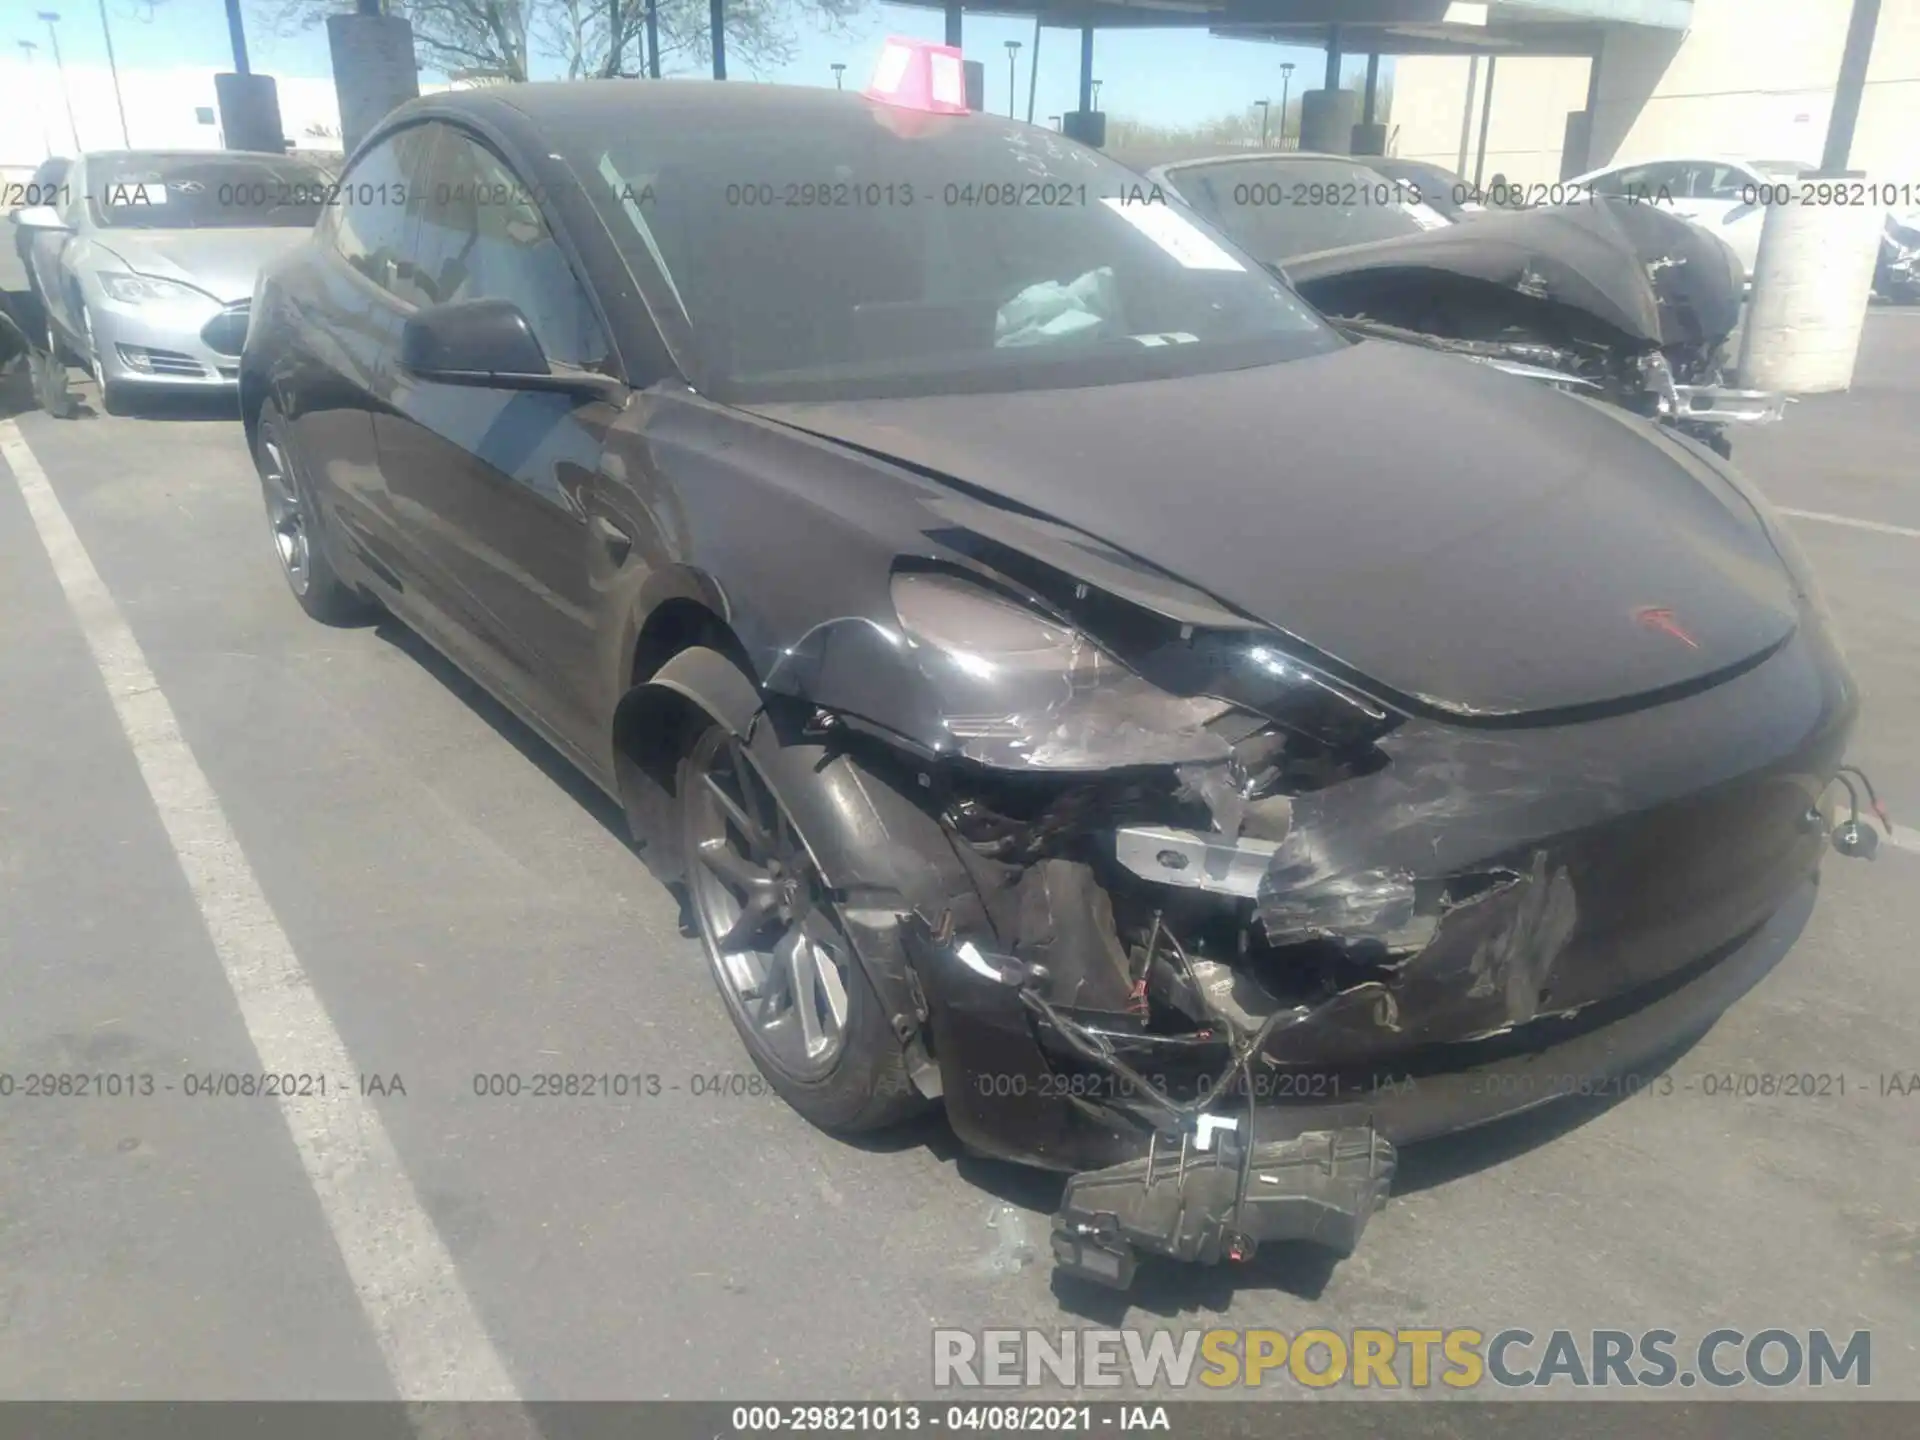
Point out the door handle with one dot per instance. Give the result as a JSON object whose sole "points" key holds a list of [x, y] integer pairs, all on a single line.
{"points": [[617, 542]]}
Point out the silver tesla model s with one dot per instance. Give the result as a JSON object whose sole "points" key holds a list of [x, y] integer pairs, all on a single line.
{"points": [[144, 261]]}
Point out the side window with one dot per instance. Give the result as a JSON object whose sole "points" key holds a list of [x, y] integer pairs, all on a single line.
{"points": [[482, 237], [1644, 182], [372, 228], [1719, 182]]}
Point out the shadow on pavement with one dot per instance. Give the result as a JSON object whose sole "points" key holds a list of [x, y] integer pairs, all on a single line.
{"points": [[173, 405], [16, 393], [510, 727]]}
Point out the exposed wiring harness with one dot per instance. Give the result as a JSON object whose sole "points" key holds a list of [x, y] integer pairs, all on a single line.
{"points": [[1873, 799]]}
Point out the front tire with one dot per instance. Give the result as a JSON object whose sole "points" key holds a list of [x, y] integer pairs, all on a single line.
{"points": [[116, 397], [785, 968], [50, 386], [294, 521]]}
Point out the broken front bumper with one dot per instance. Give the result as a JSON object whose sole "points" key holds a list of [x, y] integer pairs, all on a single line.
{"points": [[1709, 404], [1713, 405], [1646, 870], [1331, 1127]]}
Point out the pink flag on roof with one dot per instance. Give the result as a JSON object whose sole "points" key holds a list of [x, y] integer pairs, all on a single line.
{"points": [[920, 75]]}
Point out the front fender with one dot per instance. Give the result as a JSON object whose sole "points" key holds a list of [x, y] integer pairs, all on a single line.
{"points": [[714, 683]]}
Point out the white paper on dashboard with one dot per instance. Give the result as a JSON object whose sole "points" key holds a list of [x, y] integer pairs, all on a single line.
{"points": [[1173, 233]]}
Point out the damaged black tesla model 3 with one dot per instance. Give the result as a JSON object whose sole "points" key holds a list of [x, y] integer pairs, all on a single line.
{"points": [[1066, 679]]}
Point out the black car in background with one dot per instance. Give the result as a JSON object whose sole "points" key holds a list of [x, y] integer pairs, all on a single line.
{"points": [[1453, 197], [1068, 681], [1896, 272], [1613, 297]]}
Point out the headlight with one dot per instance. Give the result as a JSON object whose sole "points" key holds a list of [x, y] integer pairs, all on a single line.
{"points": [[131, 289], [1023, 691]]}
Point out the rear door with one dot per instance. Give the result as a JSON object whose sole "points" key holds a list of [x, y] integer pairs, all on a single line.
{"points": [[495, 484]]}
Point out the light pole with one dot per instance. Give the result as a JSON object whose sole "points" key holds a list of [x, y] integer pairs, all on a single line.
{"points": [[839, 68], [27, 47], [1263, 105], [1286, 86], [33, 72], [113, 68], [52, 18], [1033, 67], [1096, 95], [1013, 49], [237, 37], [1854, 61]]}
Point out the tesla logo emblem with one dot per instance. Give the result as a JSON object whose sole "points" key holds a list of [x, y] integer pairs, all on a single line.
{"points": [[1655, 617]]}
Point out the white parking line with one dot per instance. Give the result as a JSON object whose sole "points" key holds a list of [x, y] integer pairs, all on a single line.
{"points": [[429, 1334], [1878, 526]]}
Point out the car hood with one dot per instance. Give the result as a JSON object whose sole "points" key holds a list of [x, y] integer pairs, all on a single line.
{"points": [[223, 262], [1657, 279], [1534, 553]]}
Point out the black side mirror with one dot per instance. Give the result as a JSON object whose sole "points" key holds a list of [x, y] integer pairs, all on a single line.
{"points": [[490, 343]]}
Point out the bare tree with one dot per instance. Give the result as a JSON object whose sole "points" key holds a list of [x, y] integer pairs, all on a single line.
{"points": [[1236, 130], [584, 38]]}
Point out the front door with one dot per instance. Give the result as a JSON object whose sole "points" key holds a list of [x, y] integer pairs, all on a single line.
{"points": [[496, 485]]}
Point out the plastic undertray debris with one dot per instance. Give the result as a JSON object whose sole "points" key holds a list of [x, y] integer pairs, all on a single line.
{"points": [[1186, 1203]]}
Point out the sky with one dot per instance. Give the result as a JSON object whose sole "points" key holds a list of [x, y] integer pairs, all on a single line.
{"points": [[1164, 77]]}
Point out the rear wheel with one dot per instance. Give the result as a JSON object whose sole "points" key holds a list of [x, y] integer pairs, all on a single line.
{"points": [[786, 970], [296, 541]]}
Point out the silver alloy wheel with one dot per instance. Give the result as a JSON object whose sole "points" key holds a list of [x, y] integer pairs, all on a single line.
{"points": [[776, 948], [286, 514]]}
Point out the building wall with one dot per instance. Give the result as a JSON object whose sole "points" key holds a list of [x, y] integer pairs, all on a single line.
{"points": [[1752, 77], [1524, 132]]}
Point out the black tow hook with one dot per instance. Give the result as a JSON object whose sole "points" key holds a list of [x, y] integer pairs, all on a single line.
{"points": [[1851, 837]]}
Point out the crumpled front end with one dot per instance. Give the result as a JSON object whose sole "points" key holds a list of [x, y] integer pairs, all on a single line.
{"points": [[1612, 297], [1218, 956], [1266, 1000], [1159, 894]]}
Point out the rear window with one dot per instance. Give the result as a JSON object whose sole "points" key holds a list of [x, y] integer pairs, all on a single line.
{"points": [[1282, 208], [215, 190]]}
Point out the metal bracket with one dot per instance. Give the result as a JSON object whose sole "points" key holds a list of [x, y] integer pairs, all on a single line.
{"points": [[1193, 860]]}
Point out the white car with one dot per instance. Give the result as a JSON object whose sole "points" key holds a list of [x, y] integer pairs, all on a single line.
{"points": [[1721, 194]]}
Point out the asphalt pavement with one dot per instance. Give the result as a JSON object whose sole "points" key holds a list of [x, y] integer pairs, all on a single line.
{"points": [[231, 839]]}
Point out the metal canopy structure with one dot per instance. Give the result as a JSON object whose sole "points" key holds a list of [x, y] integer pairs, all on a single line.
{"points": [[1441, 27], [1370, 27], [1382, 27]]}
